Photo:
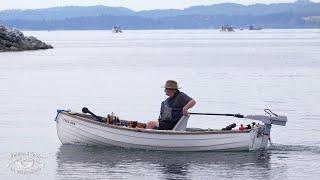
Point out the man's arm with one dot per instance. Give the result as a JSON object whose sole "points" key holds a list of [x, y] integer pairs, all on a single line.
{"points": [[189, 105]]}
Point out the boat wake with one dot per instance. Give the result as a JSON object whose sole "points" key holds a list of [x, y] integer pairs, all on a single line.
{"points": [[299, 148]]}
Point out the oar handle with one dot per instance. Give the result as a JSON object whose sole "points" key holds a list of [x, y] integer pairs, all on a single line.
{"points": [[86, 110], [214, 114]]}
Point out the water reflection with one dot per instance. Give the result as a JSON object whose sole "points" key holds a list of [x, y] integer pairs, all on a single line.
{"points": [[83, 162]]}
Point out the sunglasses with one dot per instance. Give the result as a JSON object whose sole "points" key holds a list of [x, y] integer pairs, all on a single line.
{"points": [[169, 89]]}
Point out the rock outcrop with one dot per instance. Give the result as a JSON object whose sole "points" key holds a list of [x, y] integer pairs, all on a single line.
{"points": [[14, 40]]}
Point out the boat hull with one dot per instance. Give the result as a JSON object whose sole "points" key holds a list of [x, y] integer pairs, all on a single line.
{"points": [[72, 129]]}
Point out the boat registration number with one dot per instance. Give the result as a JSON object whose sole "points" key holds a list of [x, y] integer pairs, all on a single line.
{"points": [[69, 122]]}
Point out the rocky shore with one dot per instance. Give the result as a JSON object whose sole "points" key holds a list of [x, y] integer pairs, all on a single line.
{"points": [[14, 40]]}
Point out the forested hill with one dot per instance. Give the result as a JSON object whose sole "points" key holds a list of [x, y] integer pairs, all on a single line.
{"points": [[301, 14]]}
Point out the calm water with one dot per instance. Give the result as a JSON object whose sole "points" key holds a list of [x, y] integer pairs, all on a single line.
{"points": [[242, 72]]}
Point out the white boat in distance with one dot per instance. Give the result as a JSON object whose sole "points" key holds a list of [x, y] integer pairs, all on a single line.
{"points": [[116, 29], [226, 28], [83, 129]]}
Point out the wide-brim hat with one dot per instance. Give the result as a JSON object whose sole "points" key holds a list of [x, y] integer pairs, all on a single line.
{"points": [[171, 84]]}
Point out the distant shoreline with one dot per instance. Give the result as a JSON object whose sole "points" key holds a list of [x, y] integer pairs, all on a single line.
{"points": [[296, 15], [215, 29]]}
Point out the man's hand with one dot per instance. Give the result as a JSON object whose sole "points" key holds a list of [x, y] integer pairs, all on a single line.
{"points": [[185, 112]]}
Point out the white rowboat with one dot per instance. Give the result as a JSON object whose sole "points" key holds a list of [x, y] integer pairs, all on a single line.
{"points": [[79, 128]]}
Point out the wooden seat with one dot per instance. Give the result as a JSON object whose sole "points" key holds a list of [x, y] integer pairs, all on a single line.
{"points": [[182, 124]]}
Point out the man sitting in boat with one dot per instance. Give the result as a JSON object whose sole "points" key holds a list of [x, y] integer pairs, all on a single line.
{"points": [[173, 108]]}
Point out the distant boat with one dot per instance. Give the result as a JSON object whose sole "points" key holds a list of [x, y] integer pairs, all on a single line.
{"points": [[253, 27], [226, 28], [116, 29]]}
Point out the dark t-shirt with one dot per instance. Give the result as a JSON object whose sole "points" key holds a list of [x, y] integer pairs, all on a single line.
{"points": [[177, 102]]}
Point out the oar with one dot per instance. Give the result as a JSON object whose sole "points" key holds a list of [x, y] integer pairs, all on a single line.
{"points": [[270, 119], [86, 110], [212, 114]]}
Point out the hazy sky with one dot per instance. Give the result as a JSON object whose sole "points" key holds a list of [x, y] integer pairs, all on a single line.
{"points": [[132, 4]]}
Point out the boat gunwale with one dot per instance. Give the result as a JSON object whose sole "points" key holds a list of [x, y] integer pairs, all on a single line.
{"points": [[154, 131]]}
